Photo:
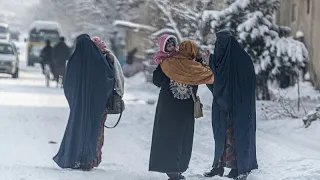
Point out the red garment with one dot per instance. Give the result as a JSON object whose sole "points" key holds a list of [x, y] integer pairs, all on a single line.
{"points": [[229, 156], [97, 161]]}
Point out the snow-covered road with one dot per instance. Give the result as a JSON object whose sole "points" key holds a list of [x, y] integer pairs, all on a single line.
{"points": [[32, 115]]}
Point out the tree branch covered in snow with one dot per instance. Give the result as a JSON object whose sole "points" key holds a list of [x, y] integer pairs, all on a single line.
{"points": [[94, 17], [281, 107], [166, 10], [181, 18], [313, 115], [270, 46]]}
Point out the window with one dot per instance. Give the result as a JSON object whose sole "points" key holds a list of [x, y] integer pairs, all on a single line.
{"points": [[42, 35], [3, 29], [308, 6], [293, 13], [6, 49]]}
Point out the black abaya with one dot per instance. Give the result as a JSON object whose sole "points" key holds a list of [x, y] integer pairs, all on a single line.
{"points": [[173, 129]]}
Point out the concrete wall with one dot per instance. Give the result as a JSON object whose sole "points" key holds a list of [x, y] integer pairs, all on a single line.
{"points": [[307, 20]]}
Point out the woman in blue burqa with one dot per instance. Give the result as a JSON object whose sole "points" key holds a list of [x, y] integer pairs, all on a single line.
{"points": [[233, 108], [88, 84]]}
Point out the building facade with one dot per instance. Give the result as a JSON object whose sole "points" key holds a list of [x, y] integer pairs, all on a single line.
{"points": [[304, 16]]}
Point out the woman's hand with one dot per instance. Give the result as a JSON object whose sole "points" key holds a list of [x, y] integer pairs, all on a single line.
{"points": [[203, 57], [109, 56], [104, 51], [199, 56]]}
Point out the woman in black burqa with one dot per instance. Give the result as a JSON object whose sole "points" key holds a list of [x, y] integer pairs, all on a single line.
{"points": [[233, 108], [88, 84]]}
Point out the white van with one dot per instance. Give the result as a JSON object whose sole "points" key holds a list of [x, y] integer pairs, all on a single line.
{"points": [[4, 32]]}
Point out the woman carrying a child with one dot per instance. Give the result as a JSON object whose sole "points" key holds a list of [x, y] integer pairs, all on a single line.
{"points": [[178, 75]]}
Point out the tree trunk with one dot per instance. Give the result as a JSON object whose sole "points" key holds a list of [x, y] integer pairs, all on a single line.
{"points": [[262, 88]]}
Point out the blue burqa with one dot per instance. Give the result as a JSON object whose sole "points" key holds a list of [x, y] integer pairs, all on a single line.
{"points": [[87, 86], [234, 92]]}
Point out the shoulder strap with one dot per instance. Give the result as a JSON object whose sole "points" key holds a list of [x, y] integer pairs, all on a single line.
{"points": [[111, 127], [192, 94]]}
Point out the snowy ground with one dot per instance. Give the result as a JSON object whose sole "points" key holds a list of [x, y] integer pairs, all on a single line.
{"points": [[32, 115]]}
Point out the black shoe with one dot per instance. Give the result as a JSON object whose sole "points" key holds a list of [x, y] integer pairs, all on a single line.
{"points": [[180, 177], [215, 172], [233, 174]]}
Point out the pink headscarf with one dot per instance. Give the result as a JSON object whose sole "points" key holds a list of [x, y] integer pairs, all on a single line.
{"points": [[99, 43], [162, 54]]}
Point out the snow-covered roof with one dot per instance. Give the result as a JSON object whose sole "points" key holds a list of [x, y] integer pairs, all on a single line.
{"points": [[49, 25], [163, 31], [133, 25], [4, 24]]}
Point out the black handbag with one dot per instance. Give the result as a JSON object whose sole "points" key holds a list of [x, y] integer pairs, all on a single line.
{"points": [[115, 105]]}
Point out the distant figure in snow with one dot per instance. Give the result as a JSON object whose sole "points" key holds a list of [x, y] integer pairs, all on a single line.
{"points": [[131, 56], [131, 67], [61, 53], [46, 56]]}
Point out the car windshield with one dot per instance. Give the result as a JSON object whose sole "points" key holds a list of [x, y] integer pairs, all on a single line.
{"points": [[6, 49], [3, 29], [42, 35]]}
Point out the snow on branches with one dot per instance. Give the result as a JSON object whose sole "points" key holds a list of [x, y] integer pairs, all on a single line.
{"points": [[273, 51], [313, 115], [253, 25]]}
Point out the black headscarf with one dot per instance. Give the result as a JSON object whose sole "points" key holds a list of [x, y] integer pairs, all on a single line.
{"points": [[220, 65], [89, 62], [232, 67], [88, 84]]}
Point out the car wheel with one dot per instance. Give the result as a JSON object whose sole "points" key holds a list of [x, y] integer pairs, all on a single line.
{"points": [[15, 75]]}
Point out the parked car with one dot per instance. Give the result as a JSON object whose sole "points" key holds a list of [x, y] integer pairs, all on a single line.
{"points": [[9, 59], [4, 32]]}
